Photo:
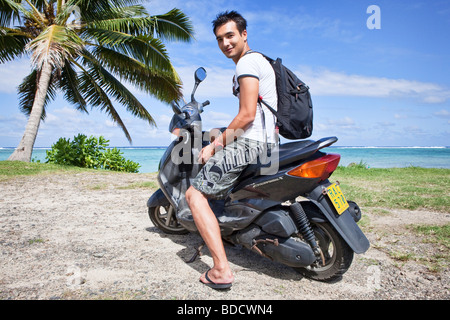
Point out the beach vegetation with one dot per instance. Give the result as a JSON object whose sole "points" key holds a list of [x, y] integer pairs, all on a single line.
{"points": [[360, 165], [89, 152], [396, 188], [88, 50]]}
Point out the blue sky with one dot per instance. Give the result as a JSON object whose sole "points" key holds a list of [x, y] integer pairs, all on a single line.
{"points": [[370, 87]]}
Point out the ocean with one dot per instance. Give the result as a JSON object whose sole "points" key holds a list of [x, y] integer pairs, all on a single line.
{"points": [[373, 157]]}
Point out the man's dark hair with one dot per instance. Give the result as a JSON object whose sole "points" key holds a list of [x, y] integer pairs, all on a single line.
{"points": [[225, 17]]}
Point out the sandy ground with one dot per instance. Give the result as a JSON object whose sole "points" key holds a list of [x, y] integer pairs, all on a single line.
{"points": [[88, 236]]}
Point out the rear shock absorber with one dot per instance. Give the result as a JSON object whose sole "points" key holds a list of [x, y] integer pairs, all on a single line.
{"points": [[302, 222]]}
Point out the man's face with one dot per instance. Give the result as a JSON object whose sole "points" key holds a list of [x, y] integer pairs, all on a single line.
{"points": [[230, 41]]}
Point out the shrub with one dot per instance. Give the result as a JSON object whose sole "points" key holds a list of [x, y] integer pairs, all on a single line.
{"points": [[89, 152]]}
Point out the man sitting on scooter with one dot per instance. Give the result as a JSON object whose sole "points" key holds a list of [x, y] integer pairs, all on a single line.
{"points": [[246, 138]]}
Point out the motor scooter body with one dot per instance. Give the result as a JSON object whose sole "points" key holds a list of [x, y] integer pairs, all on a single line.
{"points": [[290, 215]]}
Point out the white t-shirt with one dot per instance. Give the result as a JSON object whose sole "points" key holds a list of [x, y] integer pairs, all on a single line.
{"points": [[255, 65]]}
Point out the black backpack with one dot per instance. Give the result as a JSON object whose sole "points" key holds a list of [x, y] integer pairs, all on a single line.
{"points": [[295, 113]]}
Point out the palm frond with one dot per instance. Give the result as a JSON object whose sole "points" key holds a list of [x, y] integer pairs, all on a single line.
{"points": [[97, 97], [144, 48], [27, 92], [38, 17], [70, 85], [42, 4], [174, 25], [131, 20], [91, 10], [12, 44], [13, 10], [54, 45], [117, 90], [9, 12], [165, 86]]}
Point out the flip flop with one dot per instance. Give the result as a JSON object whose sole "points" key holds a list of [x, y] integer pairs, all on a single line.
{"points": [[217, 286]]}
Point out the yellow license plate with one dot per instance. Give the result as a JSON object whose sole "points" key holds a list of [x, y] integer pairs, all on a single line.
{"points": [[337, 198]]}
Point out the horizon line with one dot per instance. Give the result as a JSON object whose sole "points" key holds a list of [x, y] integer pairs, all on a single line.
{"points": [[161, 147]]}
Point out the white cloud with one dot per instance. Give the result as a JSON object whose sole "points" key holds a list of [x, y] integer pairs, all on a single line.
{"points": [[110, 124], [330, 83], [213, 119], [442, 114], [385, 124], [12, 74], [216, 85], [415, 130], [345, 122], [163, 120], [66, 112], [400, 116]]}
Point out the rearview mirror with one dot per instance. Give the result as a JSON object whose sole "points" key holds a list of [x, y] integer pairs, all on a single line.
{"points": [[200, 74]]}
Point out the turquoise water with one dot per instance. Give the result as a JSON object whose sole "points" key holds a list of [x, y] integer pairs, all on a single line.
{"points": [[147, 157], [374, 157], [390, 157]]}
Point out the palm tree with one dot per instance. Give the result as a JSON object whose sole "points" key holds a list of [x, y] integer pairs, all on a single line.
{"points": [[86, 49]]}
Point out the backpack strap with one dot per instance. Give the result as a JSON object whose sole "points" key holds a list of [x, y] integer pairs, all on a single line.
{"points": [[260, 99]]}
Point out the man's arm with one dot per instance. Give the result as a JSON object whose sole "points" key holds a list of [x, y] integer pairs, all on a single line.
{"points": [[248, 99]]}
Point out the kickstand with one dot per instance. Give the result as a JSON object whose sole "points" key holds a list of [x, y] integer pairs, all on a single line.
{"points": [[198, 252]]}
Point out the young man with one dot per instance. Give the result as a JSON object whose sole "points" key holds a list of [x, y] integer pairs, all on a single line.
{"points": [[245, 139]]}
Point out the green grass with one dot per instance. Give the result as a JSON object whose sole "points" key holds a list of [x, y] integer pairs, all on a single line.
{"points": [[434, 234], [36, 240], [406, 188], [10, 169], [412, 188], [141, 185], [438, 236]]}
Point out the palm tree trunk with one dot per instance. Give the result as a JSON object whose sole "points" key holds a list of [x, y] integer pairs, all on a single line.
{"points": [[24, 150]]}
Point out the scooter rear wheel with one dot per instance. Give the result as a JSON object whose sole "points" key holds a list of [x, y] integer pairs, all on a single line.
{"points": [[337, 254], [164, 218]]}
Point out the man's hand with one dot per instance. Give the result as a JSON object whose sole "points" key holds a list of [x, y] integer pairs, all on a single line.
{"points": [[206, 153]]}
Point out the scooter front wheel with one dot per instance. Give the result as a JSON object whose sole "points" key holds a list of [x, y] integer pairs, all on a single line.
{"points": [[164, 218], [337, 255]]}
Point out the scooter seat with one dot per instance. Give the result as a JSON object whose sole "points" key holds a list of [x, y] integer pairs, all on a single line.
{"points": [[292, 148], [289, 153]]}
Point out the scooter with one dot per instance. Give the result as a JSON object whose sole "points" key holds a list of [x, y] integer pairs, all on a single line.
{"points": [[294, 215]]}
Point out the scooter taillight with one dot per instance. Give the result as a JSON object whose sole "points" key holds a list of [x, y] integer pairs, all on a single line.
{"points": [[321, 168]]}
